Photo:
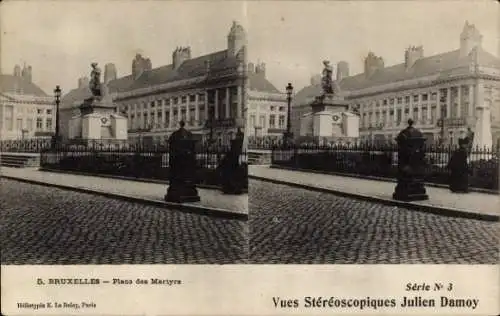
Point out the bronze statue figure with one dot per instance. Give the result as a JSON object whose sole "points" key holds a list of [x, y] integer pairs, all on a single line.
{"points": [[95, 80], [327, 81]]}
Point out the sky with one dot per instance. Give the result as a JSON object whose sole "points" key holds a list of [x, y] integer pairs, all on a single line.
{"points": [[60, 39]]}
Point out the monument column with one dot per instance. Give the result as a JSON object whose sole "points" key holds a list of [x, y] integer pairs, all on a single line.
{"points": [[228, 99]]}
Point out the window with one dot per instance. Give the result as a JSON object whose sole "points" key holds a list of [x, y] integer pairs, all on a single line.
{"points": [[252, 120], [399, 117], [39, 123], [184, 99], [19, 123], [391, 101], [39, 111], [282, 109], [153, 103], [192, 98], [262, 121], [434, 96], [282, 121], [176, 100], [9, 117], [407, 99], [49, 111], [400, 100], [385, 101], [424, 97], [272, 121], [192, 115], [273, 108], [415, 98], [167, 101], [48, 124], [201, 97]]}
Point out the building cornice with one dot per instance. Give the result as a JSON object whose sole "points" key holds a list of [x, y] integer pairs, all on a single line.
{"points": [[266, 96], [460, 73]]}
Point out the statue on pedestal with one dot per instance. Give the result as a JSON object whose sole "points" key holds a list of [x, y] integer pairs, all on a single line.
{"points": [[95, 80], [327, 81]]}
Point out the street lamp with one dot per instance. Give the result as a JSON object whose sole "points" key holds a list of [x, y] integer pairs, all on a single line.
{"points": [[288, 135], [57, 95]]}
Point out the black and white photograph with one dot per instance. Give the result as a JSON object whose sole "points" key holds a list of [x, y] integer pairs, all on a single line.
{"points": [[123, 140], [387, 151], [249, 157]]}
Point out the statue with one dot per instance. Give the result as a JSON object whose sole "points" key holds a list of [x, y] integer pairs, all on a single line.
{"points": [[327, 78], [95, 80]]}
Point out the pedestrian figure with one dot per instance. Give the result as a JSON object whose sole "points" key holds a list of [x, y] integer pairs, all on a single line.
{"points": [[458, 168]]}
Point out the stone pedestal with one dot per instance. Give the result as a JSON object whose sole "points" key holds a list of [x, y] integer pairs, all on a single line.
{"points": [[97, 120]]}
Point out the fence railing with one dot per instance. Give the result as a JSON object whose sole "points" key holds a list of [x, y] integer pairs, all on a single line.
{"points": [[136, 162], [381, 161]]}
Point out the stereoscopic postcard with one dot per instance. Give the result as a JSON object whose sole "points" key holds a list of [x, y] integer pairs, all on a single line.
{"points": [[249, 157]]}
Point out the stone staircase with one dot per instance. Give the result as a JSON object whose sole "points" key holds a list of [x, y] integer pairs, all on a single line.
{"points": [[259, 157], [19, 160]]}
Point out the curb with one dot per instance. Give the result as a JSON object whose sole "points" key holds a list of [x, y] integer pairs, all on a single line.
{"points": [[438, 210], [143, 180], [348, 175], [186, 208]]}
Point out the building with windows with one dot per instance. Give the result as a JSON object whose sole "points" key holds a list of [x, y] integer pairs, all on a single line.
{"points": [[267, 106], [207, 92], [26, 111], [445, 88]]}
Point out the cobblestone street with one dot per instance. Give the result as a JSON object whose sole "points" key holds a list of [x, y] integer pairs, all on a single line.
{"points": [[290, 225], [42, 225]]}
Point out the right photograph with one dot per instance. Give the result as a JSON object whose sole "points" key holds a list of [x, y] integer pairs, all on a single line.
{"points": [[373, 134]]}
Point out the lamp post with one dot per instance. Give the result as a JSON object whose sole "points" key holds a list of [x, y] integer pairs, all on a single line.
{"points": [[57, 95], [288, 134]]}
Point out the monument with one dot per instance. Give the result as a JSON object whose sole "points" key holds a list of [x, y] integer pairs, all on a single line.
{"points": [[98, 119], [330, 117]]}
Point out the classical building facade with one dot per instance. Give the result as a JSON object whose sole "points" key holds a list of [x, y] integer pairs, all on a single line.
{"points": [[267, 106], [26, 111], [207, 92], [448, 86]]}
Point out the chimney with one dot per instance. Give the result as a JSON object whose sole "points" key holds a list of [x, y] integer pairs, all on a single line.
{"points": [[412, 54], [180, 55], [372, 64], [139, 65], [17, 71], [83, 82], [109, 72], [342, 70], [261, 69], [316, 80]]}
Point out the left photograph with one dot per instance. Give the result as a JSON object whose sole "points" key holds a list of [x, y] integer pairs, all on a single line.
{"points": [[123, 140]]}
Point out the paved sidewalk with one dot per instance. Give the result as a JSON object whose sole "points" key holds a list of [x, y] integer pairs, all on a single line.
{"points": [[476, 205], [212, 201]]}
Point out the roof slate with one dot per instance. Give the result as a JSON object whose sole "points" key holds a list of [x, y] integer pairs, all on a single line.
{"points": [[258, 82], [423, 67], [15, 84]]}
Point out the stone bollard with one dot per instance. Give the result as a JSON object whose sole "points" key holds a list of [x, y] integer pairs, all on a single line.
{"points": [[411, 165], [182, 167]]}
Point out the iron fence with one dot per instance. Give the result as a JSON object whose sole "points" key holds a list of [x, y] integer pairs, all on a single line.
{"points": [[33, 145], [380, 160], [126, 160]]}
